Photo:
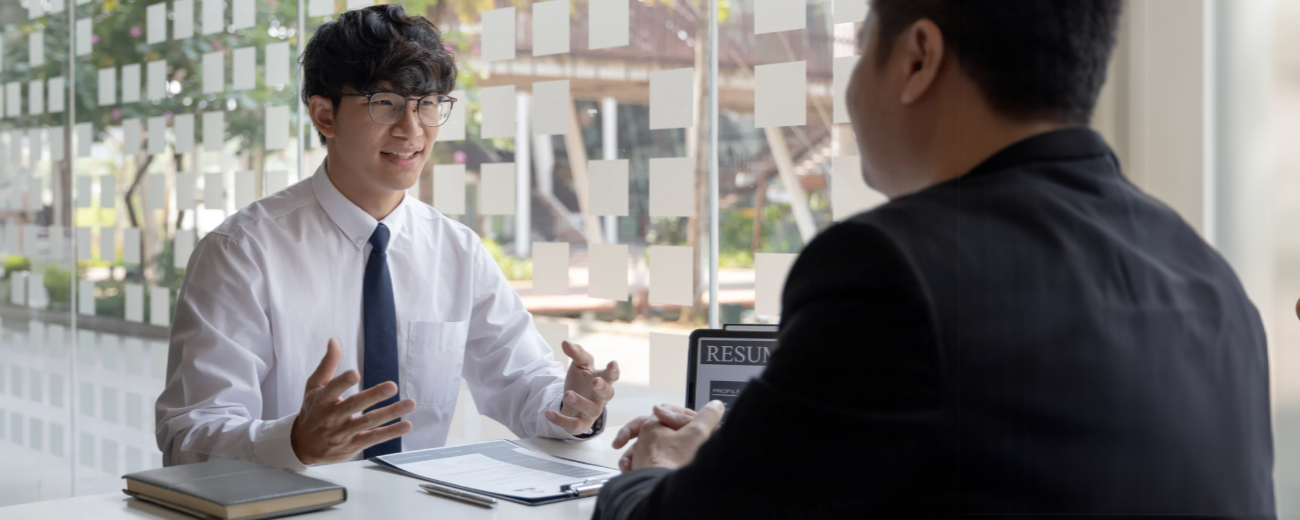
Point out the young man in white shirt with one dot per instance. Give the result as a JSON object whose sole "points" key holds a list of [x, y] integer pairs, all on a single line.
{"points": [[344, 273]]}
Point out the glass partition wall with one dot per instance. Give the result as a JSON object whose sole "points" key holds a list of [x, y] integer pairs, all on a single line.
{"points": [[579, 152]]}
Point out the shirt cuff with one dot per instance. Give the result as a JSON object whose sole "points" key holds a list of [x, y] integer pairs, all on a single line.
{"points": [[554, 431], [596, 427], [274, 446]]}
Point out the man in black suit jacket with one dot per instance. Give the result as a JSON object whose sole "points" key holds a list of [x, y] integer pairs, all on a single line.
{"points": [[1019, 331]]}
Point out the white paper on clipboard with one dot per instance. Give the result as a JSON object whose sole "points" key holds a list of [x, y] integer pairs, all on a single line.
{"points": [[498, 468]]}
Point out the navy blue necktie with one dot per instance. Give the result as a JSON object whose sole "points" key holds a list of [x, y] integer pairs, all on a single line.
{"points": [[379, 319]]}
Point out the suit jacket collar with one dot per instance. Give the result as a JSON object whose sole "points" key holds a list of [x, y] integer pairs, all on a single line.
{"points": [[1058, 145]]}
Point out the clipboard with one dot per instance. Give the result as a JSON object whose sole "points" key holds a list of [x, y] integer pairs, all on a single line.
{"points": [[715, 372], [579, 488]]}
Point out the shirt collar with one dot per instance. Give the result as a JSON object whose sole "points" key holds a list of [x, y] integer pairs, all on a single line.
{"points": [[355, 224]]}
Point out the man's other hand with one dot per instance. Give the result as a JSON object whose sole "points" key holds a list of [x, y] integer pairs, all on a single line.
{"points": [[326, 431], [669, 415], [669, 438]]}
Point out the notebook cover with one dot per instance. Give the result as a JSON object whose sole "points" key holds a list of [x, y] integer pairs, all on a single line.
{"points": [[204, 516], [232, 482]]}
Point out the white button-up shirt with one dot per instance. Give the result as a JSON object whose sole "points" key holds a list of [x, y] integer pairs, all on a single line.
{"points": [[266, 290]]}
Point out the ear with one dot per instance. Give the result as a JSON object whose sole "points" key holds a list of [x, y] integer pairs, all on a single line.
{"points": [[322, 115], [923, 48]]}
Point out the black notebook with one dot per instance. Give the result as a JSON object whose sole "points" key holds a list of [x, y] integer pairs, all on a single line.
{"points": [[233, 489]]}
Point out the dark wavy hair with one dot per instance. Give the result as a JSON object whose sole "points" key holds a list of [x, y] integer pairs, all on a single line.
{"points": [[1030, 58], [366, 47]]}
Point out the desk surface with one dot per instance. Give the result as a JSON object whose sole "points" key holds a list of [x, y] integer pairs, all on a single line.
{"points": [[372, 493]]}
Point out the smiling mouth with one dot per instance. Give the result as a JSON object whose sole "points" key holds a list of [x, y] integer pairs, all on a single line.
{"points": [[402, 155]]}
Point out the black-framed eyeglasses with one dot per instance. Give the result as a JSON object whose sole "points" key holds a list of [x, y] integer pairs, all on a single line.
{"points": [[387, 108]]}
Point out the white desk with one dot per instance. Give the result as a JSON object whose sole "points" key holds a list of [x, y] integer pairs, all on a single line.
{"points": [[373, 494]]}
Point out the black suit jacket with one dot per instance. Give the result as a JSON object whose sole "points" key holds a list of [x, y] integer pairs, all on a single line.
{"points": [[1037, 337]]}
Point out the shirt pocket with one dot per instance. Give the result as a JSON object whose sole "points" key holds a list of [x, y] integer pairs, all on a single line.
{"points": [[435, 356]]}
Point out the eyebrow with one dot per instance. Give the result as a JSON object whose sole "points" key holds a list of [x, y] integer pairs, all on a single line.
{"points": [[411, 96]]}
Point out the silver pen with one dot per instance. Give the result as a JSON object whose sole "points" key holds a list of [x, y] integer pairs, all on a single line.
{"points": [[463, 496]]}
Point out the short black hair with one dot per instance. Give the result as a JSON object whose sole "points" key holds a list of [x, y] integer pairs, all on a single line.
{"points": [[1032, 59], [366, 47]]}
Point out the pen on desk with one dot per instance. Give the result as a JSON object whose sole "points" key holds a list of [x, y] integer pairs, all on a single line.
{"points": [[463, 496]]}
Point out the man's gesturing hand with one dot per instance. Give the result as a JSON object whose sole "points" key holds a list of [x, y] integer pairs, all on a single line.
{"points": [[586, 390], [326, 431]]}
